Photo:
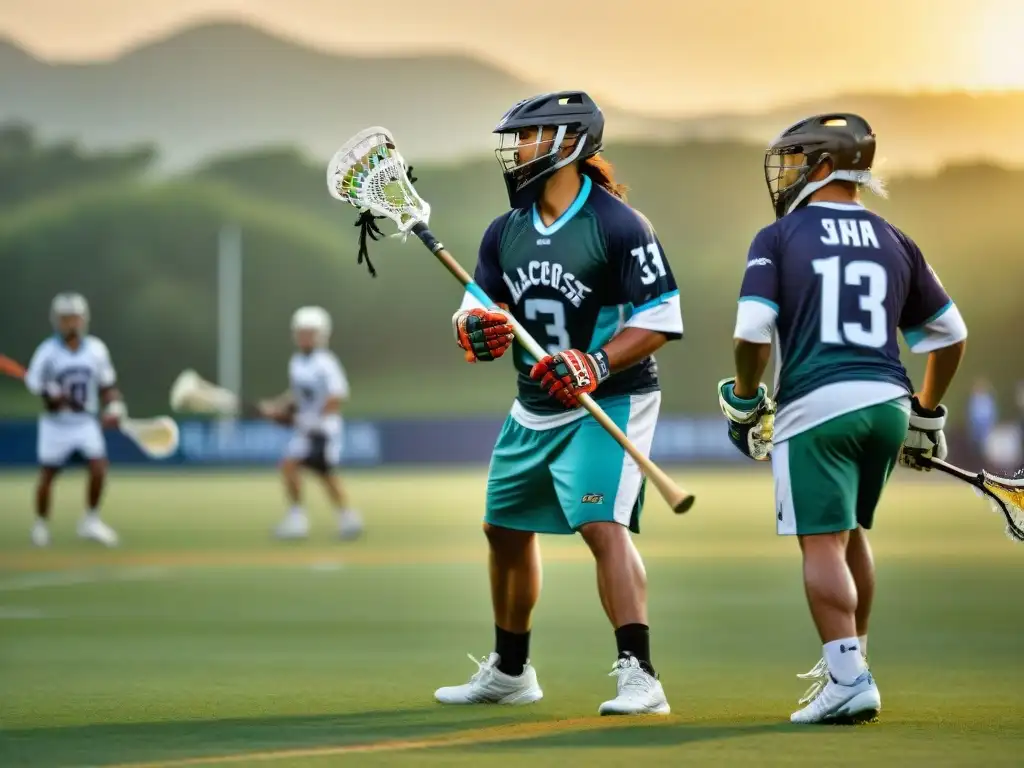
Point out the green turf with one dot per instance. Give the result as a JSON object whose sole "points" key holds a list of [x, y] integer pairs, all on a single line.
{"points": [[200, 636]]}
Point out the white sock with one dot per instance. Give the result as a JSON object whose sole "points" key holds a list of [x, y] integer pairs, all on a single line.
{"points": [[296, 510], [92, 513], [863, 639], [845, 661]]}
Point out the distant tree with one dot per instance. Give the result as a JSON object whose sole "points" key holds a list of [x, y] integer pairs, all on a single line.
{"points": [[30, 169]]}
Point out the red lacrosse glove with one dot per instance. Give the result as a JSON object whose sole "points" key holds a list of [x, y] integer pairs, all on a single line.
{"points": [[482, 334], [571, 373]]}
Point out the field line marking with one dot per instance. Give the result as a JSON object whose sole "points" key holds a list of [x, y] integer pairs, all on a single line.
{"points": [[487, 735]]}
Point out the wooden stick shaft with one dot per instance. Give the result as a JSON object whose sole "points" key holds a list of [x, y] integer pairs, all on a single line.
{"points": [[678, 499]]}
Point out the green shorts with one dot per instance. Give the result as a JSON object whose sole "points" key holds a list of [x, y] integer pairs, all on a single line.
{"points": [[555, 479], [831, 477]]}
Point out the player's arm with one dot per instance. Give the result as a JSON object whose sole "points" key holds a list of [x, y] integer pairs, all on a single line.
{"points": [[647, 283], [114, 408], [39, 379], [932, 325], [481, 333], [337, 386], [756, 315], [280, 409], [743, 398]]}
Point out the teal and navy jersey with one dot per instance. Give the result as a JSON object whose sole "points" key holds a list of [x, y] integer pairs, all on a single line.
{"points": [[577, 283], [835, 283]]}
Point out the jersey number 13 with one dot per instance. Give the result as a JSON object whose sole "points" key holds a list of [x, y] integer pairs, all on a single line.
{"points": [[873, 282]]}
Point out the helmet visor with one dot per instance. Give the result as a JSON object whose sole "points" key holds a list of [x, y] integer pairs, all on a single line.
{"points": [[782, 169]]}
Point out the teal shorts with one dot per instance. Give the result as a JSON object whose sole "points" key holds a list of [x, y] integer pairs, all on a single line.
{"points": [[556, 479], [831, 477]]}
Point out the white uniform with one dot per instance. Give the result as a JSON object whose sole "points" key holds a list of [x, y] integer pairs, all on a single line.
{"points": [[315, 378], [77, 375]]}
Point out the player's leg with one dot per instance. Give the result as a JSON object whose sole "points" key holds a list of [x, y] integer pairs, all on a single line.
{"points": [[887, 426], [295, 523], [324, 458], [52, 451], [44, 493], [521, 502], [601, 493], [93, 448], [816, 484], [862, 567]]}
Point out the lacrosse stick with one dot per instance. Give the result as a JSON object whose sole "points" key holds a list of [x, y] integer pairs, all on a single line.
{"points": [[12, 368], [369, 173], [1005, 495], [156, 437], [194, 394], [191, 393]]}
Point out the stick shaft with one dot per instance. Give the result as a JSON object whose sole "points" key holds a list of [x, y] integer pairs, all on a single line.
{"points": [[12, 368], [678, 499]]}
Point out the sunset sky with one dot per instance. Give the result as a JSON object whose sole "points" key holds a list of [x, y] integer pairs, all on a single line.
{"points": [[659, 56]]}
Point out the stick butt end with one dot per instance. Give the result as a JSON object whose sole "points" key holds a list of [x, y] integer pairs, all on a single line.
{"points": [[683, 503]]}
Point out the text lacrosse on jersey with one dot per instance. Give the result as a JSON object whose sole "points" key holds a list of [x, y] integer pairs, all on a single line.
{"points": [[546, 273]]}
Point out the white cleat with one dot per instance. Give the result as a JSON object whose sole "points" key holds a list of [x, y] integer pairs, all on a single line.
{"points": [[41, 534], [350, 525], [92, 528], [835, 703], [637, 692], [489, 685], [295, 525]]}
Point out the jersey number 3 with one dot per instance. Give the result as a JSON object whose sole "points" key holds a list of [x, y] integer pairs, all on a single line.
{"points": [[872, 301], [556, 330]]}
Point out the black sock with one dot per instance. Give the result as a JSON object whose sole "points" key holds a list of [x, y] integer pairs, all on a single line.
{"points": [[513, 649], [635, 640]]}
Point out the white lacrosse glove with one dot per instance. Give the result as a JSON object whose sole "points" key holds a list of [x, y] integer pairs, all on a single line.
{"points": [[925, 437], [751, 422]]}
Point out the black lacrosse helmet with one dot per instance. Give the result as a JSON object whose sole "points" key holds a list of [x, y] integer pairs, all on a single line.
{"points": [[571, 113], [844, 139]]}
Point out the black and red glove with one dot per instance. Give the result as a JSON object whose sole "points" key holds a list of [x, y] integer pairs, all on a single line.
{"points": [[483, 334], [570, 373]]}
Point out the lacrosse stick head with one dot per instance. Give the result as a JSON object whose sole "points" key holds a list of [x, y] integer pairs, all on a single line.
{"points": [[157, 437], [192, 393], [1009, 500], [369, 173]]}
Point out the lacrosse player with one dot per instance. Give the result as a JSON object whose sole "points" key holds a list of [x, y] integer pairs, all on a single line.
{"points": [[73, 374], [312, 407], [829, 283], [585, 275]]}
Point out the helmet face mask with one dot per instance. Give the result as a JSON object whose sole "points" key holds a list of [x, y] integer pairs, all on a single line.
{"points": [[538, 136], [69, 315], [311, 328], [531, 155], [845, 141]]}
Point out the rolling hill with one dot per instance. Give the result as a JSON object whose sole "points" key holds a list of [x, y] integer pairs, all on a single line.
{"points": [[225, 87]]}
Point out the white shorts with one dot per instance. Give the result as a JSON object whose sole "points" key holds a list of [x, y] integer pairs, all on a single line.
{"points": [[300, 447], [56, 442]]}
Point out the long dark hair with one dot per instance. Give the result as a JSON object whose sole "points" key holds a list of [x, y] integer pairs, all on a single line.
{"points": [[602, 173]]}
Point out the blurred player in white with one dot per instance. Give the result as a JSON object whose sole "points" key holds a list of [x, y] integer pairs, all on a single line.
{"points": [[312, 406], [73, 374]]}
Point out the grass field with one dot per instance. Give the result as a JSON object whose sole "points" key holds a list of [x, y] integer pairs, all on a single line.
{"points": [[200, 641]]}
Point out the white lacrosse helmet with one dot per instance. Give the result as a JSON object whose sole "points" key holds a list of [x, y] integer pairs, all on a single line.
{"points": [[64, 304], [313, 319]]}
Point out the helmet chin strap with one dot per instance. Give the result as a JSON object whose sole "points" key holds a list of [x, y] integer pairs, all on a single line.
{"points": [[857, 177]]}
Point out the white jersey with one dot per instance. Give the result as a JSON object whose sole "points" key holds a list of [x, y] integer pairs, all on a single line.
{"points": [[78, 375], [314, 379]]}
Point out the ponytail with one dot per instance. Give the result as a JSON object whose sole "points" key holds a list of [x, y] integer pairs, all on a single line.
{"points": [[602, 173]]}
